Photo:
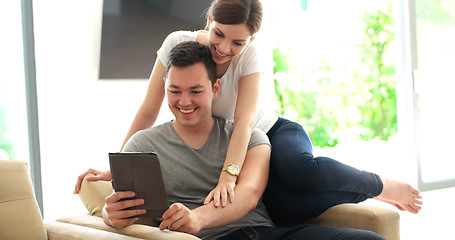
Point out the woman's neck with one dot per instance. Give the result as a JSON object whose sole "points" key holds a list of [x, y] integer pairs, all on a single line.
{"points": [[221, 69]]}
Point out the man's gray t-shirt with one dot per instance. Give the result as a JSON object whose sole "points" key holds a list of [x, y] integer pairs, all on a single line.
{"points": [[190, 174]]}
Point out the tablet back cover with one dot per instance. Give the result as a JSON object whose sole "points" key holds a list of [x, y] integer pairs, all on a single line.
{"points": [[141, 173]]}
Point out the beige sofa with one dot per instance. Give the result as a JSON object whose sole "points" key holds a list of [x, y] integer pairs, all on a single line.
{"points": [[21, 218]]}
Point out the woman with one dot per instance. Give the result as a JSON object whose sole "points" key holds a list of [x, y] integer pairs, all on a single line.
{"points": [[300, 186]]}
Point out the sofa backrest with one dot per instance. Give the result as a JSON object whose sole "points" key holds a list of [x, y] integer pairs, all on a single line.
{"points": [[20, 215]]}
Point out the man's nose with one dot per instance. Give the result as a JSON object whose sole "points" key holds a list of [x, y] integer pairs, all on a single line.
{"points": [[185, 99]]}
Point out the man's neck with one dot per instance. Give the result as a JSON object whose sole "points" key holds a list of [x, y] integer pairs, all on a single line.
{"points": [[196, 136]]}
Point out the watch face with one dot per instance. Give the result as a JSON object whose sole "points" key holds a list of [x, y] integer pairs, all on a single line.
{"points": [[233, 169]]}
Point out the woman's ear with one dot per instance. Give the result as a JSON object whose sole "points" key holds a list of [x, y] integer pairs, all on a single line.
{"points": [[216, 89], [252, 39], [209, 21]]}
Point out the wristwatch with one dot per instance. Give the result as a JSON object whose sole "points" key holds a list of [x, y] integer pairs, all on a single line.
{"points": [[232, 169]]}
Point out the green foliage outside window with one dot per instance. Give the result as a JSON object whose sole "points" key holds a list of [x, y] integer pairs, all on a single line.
{"points": [[5, 138], [378, 106], [326, 106]]}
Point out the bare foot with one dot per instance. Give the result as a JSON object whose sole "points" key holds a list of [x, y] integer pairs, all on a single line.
{"points": [[391, 203], [401, 195]]}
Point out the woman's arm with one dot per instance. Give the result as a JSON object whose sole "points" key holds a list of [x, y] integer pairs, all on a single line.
{"points": [[244, 116], [148, 112]]}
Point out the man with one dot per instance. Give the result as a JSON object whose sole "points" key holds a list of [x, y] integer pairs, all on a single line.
{"points": [[192, 150]]}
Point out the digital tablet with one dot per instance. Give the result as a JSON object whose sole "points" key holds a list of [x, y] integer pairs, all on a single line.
{"points": [[140, 173]]}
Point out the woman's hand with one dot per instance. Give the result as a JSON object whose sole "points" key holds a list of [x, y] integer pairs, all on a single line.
{"points": [[98, 175], [223, 191]]}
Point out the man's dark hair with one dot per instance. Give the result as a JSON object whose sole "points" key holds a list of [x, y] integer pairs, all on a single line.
{"points": [[188, 53]]}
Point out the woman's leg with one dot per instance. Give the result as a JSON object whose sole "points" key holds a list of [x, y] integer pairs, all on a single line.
{"points": [[297, 170], [301, 186], [307, 185], [287, 207]]}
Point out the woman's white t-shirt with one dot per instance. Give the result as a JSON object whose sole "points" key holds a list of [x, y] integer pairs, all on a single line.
{"points": [[246, 63]]}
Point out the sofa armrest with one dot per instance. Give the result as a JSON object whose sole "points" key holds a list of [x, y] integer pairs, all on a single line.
{"points": [[383, 221], [134, 230]]}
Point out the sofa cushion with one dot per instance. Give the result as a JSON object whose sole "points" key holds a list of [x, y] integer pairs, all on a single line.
{"points": [[66, 231], [380, 220], [135, 230], [20, 214]]}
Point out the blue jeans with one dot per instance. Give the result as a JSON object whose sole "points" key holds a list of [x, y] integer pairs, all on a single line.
{"points": [[301, 186], [310, 232]]}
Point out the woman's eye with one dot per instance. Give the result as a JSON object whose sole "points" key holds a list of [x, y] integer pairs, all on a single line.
{"points": [[238, 44], [218, 34]]}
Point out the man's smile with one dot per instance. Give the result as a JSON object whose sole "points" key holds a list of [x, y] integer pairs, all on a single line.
{"points": [[186, 111]]}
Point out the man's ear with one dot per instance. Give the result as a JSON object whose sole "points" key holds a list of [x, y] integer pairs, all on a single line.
{"points": [[216, 89]]}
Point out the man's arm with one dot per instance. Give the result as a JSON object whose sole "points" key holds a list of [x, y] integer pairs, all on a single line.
{"points": [[250, 187]]}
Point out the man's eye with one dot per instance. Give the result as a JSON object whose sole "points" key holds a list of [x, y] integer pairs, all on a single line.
{"points": [[196, 92], [238, 44], [174, 92]]}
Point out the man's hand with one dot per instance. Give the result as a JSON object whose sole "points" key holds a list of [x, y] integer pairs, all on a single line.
{"points": [[223, 191], [114, 213], [99, 175], [179, 218]]}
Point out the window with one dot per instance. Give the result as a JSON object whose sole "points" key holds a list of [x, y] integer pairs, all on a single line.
{"points": [[18, 111], [433, 86], [335, 74]]}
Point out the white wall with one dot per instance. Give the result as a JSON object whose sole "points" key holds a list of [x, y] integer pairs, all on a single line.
{"points": [[81, 118]]}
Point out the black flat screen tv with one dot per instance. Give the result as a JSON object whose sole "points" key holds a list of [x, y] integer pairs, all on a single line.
{"points": [[133, 30]]}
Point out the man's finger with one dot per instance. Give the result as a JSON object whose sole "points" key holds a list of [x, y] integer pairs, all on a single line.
{"points": [[116, 196], [172, 210], [121, 223], [171, 215], [177, 224]]}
